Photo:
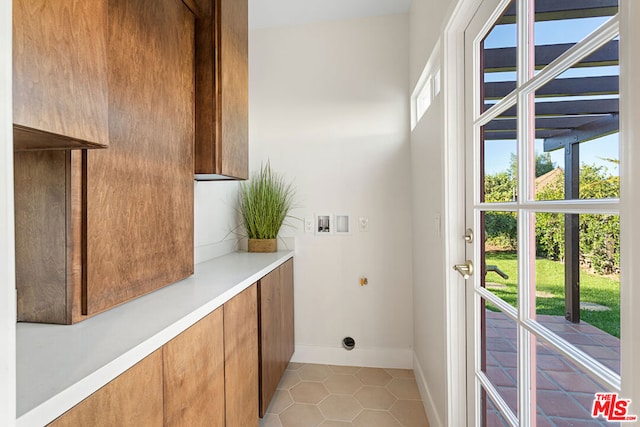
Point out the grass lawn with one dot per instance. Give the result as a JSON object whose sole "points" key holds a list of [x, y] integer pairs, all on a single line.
{"points": [[550, 287]]}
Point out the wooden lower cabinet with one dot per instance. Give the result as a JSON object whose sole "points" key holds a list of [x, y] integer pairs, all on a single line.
{"points": [[241, 359], [206, 376], [132, 399], [276, 338], [211, 369], [194, 380]]}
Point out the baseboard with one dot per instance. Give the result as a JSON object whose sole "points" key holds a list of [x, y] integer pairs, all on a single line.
{"points": [[368, 357], [427, 400]]}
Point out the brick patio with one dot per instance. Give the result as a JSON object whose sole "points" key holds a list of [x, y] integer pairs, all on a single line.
{"points": [[564, 393]]}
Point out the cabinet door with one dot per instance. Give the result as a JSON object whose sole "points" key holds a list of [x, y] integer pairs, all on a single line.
{"points": [[276, 329], [60, 74], [132, 399], [194, 375], [48, 200], [241, 359], [140, 190], [222, 89]]}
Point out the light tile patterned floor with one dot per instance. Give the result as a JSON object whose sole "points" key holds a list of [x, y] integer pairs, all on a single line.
{"points": [[331, 396]]}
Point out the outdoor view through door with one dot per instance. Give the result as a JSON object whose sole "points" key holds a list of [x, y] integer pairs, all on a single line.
{"points": [[545, 306]]}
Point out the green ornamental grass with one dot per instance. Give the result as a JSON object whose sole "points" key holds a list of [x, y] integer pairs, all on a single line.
{"points": [[265, 202]]}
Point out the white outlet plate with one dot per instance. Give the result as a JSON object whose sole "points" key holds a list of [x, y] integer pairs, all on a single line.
{"points": [[363, 224], [308, 225]]}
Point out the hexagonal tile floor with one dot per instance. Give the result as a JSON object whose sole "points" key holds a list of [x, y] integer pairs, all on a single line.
{"points": [[323, 396]]}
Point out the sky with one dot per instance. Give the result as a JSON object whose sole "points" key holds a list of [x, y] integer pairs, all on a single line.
{"points": [[498, 153]]}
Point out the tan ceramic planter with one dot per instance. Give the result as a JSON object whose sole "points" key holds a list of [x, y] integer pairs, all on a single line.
{"points": [[263, 245]]}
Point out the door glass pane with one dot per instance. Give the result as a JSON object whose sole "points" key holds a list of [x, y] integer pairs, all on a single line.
{"points": [[564, 394], [493, 417], [498, 151], [499, 59], [561, 24], [589, 318], [500, 261], [500, 356], [577, 126]]}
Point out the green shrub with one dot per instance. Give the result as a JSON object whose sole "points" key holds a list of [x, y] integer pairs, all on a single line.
{"points": [[599, 234]]}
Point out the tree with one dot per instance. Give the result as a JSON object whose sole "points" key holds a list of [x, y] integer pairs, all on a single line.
{"points": [[501, 227], [544, 164]]}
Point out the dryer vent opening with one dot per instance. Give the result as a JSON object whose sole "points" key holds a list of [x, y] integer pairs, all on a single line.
{"points": [[348, 343]]}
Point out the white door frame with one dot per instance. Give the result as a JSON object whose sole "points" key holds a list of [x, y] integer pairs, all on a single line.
{"points": [[630, 200], [454, 208], [7, 262], [454, 203]]}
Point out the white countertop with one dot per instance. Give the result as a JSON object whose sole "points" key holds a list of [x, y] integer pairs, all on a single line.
{"points": [[60, 365]]}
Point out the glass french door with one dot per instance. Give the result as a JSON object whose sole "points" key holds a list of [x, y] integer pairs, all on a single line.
{"points": [[543, 186]]}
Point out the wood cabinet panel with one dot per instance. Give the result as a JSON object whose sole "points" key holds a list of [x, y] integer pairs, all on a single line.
{"points": [[241, 359], [132, 399], [194, 378], [140, 190], [97, 228], [287, 325], [40, 179], [48, 205], [60, 74], [276, 343], [222, 81]]}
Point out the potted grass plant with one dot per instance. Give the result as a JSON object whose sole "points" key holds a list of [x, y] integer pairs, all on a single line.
{"points": [[264, 203]]}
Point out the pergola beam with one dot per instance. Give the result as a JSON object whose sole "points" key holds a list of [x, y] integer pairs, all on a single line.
{"points": [[575, 86], [504, 59], [552, 10], [596, 129], [569, 108]]}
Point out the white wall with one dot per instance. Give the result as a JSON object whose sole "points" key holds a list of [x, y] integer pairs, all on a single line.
{"points": [[7, 262], [328, 105], [427, 21], [428, 268], [426, 25], [216, 220]]}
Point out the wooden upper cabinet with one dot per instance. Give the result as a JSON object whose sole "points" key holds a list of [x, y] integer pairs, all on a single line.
{"points": [[48, 235], [140, 191], [132, 399], [222, 81], [96, 228], [60, 90]]}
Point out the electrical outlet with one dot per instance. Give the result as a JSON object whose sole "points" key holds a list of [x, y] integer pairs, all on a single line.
{"points": [[363, 224], [308, 225]]}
